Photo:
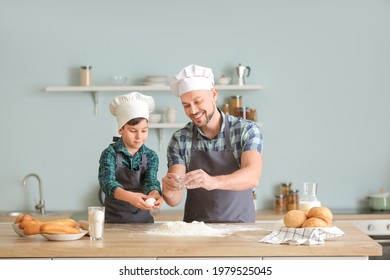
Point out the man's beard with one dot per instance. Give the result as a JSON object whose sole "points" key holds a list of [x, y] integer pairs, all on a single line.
{"points": [[208, 118]]}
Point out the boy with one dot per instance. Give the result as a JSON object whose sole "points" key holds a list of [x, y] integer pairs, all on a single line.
{"points": [[127, 168]]}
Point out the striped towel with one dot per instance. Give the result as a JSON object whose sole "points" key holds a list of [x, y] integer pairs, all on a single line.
{"points": [[301, 236]]}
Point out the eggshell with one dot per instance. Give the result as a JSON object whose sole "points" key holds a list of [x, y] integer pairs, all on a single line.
{"points": [[150, 201]]}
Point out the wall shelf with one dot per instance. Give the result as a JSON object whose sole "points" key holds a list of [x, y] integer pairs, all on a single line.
{"points": [[95, 90]]}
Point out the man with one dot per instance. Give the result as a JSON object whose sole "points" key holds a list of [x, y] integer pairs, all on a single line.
{"points": [[217, 158]]}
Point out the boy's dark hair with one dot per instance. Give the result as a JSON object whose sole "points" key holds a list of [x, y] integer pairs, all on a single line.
{"points": [[135, 121]]}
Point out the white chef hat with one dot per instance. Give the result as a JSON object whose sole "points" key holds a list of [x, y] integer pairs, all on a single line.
{"points": [[131, 105], [192, 77]]}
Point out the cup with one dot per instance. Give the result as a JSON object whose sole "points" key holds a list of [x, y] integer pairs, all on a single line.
{"points": [[96, 222]]}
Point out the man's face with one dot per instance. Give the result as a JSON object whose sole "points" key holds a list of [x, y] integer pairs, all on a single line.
{"points": [[199, 105]]}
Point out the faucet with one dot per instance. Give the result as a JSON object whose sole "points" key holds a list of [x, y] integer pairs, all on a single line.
{"points": [[41, 205]]}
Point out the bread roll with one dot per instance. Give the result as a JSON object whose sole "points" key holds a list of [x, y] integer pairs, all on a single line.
{"points": [[323, 213], [32, 228], [314, 222], [56, 228], [66, 222], [22, 217], [26, 223], [294, 218]]}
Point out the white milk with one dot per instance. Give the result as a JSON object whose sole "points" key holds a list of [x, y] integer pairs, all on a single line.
{"points": [[304, 205], [96, 222]]}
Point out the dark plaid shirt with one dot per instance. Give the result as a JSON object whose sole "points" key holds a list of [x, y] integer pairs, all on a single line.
{"points": [[245, 135], [108, 163]]}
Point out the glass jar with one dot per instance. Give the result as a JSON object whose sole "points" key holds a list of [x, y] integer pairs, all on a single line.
{"points": [[280, 203], [236, 101], [86, 75], [225, 108], [293, 200], [309, 197], [285, 188]]}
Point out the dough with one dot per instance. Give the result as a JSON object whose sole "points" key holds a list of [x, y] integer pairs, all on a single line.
{"points": [[294, 218]]}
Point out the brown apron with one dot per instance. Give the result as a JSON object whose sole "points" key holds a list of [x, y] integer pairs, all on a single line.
{"points": [[217, 206], [118, 211]]}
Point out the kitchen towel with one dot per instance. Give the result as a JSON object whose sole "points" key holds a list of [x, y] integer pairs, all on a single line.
{"points": [[301, 236]]}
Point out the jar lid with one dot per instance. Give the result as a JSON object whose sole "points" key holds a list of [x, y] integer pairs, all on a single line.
{"points": [[86, 67], [279, 195]]}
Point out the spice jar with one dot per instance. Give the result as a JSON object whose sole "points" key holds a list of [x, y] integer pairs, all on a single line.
{"points": [[225, 109], [285, 188], [293, 200], [236, 101], [86, 75], [280, 203], [242, 112]]}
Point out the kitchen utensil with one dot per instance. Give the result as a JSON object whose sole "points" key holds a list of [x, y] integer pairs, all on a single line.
{"points": [[170, 114], [379, 201], [119, 80], [242, 71], [309, 197], [155, 118], [224, 80]]}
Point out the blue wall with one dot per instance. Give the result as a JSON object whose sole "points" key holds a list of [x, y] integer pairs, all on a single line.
{"points": [[324, 66]]}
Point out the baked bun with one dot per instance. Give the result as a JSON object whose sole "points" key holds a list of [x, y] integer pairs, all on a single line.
{"points": [[314, 222], [313, 217], [323, 213], [294, 218]]}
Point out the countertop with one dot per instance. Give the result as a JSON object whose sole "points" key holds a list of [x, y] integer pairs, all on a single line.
{"points": [[261, 215], [132, 241]]}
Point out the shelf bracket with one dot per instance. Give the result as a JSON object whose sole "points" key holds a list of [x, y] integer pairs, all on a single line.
{"points": [[96, 100], [160, 138]]}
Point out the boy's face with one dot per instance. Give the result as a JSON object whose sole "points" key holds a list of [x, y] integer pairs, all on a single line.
{"points": [[134, 136]]}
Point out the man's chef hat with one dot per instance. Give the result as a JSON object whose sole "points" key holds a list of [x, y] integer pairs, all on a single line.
{"points": [[131, 105], [192, 77]]}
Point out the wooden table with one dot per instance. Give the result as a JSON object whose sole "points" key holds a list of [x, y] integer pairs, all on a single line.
{"points": [[132, 241]]}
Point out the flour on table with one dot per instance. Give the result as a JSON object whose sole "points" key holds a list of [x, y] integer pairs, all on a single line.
{"points": [[186, 229]]}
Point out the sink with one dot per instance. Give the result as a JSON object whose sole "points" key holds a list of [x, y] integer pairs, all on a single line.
{"points": [[29, 212]]}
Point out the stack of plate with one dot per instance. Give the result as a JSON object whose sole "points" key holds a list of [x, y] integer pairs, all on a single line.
{"points": [[156, 81]]}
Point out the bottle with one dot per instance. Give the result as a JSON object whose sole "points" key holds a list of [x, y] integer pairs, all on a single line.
{"points": [[293, 200], [280, 203], [236, 103], [309, 198], [86, 75]]}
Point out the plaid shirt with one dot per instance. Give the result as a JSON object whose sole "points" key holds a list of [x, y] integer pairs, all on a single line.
{"points": [[108, 163], [245, 135]]}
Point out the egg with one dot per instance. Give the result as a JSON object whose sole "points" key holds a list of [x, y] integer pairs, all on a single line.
{"points": [[150, 201]]}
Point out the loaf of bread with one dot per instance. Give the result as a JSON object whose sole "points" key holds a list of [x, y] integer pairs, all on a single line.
{"points": [[294, 218], [25, 223], [55, 228], [21, 218], [314, 217], [66, 222], [32, 228]]}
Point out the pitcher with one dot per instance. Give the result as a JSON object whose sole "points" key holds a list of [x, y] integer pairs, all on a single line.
{"points": [[241, 70], [170, 114]]}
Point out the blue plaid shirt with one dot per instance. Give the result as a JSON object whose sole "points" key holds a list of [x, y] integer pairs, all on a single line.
{"points": [[245, 135], [108, 163]]}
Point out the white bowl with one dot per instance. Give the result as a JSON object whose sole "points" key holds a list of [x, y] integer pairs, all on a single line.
{"points": [[119, 80], [18, 230], [154, 118]]}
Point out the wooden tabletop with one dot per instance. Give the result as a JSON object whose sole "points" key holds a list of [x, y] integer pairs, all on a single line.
{"points": [[133, 241]]}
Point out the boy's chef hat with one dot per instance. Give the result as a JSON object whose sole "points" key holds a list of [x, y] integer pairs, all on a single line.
{"points": [[192, 77], [131, 105]]}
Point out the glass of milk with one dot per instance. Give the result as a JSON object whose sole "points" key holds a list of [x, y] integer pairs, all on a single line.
{"points": [[96, 222], [309, 198]]}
